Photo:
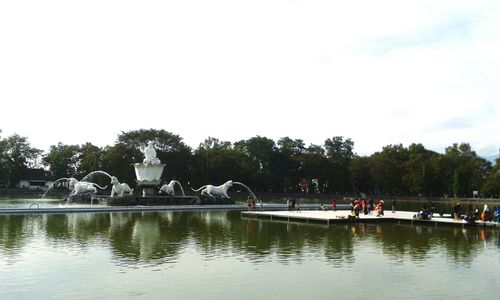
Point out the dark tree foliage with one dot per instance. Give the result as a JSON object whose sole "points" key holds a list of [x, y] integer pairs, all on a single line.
{"points": [[216, 162], [118, 160], [62, 160], [314, 165], [170, 149], [360, 175], [259, 153], [340, 154], [269, 166], [90, 158], [417, 178], [469, 170], [491, 185], [289, 162], [387, 169], [16, 155]]}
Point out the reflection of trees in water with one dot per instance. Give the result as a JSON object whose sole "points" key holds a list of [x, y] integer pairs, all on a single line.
{"points": [[57, 226], [261, 239], [339, 244], [79, 227], [415, 242], [159, 236], [12, 233], [211, 231], [402, 242]]}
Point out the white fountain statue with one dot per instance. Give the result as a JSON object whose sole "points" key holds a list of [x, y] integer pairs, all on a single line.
{"points": [[149, 171], [220, 191], [119, 188], [215, 191], [169, 188], [83, 187]]}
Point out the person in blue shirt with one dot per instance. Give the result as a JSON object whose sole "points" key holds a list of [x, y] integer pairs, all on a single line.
{"points": [[497, 213]]}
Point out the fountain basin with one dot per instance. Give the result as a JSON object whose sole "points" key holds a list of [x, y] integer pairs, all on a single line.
{"points": [[148, 173]]}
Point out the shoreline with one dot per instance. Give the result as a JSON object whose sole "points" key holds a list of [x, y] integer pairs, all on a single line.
{"points": [[13, 194]]}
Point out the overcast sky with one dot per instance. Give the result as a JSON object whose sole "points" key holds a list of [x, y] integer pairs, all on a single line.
{"points": [[378, 72]]}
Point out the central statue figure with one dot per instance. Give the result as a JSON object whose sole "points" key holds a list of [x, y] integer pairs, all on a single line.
{"points": [[150, 154]]}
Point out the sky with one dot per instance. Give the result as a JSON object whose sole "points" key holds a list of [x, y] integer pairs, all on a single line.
{"points": [[378, 72]]}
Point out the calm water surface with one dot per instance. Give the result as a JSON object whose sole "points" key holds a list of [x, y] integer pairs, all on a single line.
{"points": [[219, 255]]}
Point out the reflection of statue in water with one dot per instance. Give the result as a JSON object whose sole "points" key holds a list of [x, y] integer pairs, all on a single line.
{"points": [[150, 154]]}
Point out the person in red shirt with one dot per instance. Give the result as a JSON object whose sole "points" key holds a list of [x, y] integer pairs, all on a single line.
{"points": [[334, 205]]}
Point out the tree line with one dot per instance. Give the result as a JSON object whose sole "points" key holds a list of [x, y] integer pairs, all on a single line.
{"points": [[287, 165]]}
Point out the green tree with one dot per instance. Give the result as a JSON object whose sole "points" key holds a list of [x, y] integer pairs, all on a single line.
{"points": [[418, 173], [170, 149], [118, 160], [215, 162], [288, 162], [260, 153], [361, 178], [338, 149], [315, 165], [90, 158], [491, 186], [16, 155], [291, 148], [62, 160], [4, 163], [469, 169], [340, 154], [387, 169], [455, 187]]}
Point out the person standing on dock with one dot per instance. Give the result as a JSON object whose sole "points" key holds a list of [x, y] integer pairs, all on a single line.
{"points": [[457, 211], [394, 206], [497, 213], [486, 213], [334, 205], [364, 206], [380, 208]]}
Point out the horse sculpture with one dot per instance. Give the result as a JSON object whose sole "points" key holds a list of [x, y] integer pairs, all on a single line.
{"points": [[215, 191]]}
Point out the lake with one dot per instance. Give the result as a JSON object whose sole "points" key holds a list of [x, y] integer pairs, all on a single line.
{"points": [[220, 255]]}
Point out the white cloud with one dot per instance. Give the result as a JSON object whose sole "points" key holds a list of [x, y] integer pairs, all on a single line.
{"points": [[379, 72]]}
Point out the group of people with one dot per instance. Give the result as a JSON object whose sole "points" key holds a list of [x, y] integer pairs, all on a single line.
{"points": [[424, 214], [252, 204], [293, 205], [367, 207], [472, 213]]}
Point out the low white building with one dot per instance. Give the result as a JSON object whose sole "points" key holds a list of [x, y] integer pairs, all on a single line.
{"points": [[34, 179]]}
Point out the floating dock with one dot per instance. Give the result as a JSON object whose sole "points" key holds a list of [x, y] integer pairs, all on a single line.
{"points": [[35, 209], [342, 216]]}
